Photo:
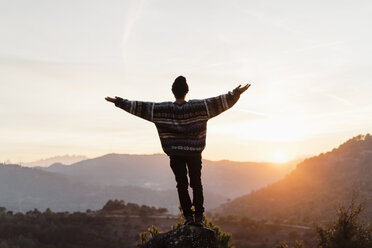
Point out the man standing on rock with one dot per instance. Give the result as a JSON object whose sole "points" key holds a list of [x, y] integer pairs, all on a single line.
{"points": [[182, 127]]}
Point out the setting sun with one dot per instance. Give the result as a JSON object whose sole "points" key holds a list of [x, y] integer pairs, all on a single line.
{"points": [[279, 157]]}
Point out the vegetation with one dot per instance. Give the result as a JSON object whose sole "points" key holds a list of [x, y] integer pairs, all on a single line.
{"points": [[223, 239], [119, 207], [108, 228], [250, 233], [103, 228], [297, 245], [49, 229], [347, 231]]}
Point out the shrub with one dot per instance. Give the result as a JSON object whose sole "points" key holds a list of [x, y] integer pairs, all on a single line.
{"points": [[346, 231]]}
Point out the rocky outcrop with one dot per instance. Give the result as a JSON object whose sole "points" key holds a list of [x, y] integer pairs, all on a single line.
{"points": [[185, 236]]}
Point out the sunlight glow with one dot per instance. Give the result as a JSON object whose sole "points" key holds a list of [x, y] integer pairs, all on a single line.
{"points": [[279, 157]]}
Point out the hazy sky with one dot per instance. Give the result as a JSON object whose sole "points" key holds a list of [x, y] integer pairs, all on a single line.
{"points": [[309, 63]]}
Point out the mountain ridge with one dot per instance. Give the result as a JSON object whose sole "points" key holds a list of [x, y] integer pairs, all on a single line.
{"points": [[65, 159]]}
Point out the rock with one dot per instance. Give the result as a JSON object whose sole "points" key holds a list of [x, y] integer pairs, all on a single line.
{"points": [[184, 237]]}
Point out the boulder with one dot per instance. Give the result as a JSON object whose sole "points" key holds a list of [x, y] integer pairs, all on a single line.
{"points": [[185, 236]]}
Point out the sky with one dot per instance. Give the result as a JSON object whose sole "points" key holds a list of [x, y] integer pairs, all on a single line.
{"points": [[309, 64]]}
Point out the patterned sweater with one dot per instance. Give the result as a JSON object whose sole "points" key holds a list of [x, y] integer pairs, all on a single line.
{"points": [[181, 127]]}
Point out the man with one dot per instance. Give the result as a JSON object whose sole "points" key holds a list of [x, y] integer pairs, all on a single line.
{"points": [[182, 127]]}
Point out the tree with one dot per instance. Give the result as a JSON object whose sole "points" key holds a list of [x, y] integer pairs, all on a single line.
{"points": [[2, 210], [112, 205], [346, 231]]}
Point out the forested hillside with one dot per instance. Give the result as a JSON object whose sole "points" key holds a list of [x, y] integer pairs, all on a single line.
{"points": [[315, 188]]}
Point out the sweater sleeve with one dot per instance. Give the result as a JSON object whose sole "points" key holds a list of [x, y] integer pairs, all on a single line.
{"points": [[217, 105], [143, 110]]}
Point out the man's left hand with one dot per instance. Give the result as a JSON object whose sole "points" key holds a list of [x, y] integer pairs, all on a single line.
{"points": [[240, 89], [109, 99]]}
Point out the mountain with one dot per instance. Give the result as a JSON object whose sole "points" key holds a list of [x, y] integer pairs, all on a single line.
{"points": [[141, 179], [315, 188], [23, 189], [226, 178], [65, 159]]}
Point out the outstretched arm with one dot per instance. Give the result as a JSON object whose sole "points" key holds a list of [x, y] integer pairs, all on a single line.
{"points": [[143, 110], [217, 105]]}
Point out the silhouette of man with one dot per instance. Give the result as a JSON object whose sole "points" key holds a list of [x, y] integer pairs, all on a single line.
{"points": [[181, 126]]}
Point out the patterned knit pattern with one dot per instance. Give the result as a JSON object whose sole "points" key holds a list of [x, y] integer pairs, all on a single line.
{"points": [[182, 128]]}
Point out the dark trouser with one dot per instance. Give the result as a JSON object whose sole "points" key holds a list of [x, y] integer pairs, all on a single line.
{"points": [[180, 165]]}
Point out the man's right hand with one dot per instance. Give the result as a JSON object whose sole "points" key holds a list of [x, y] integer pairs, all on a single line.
{"points": [[239, 90]]}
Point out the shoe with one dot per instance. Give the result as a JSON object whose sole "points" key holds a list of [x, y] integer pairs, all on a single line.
{"points": [[199, 220], [189, 220]]}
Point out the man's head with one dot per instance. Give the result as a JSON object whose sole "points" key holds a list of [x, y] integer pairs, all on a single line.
{"points": [[180, 87]]}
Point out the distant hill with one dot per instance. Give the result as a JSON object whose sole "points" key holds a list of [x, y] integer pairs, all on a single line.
{"points": [[226, 178], [315, 188], [65, 159]]}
